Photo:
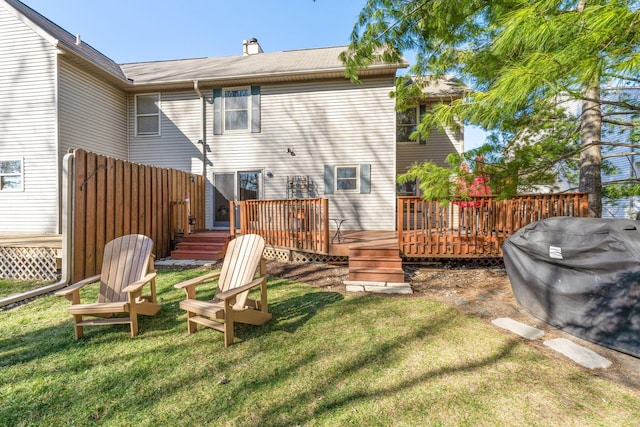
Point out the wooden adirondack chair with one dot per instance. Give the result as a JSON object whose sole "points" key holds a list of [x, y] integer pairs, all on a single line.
{"points": [[231, 303], [127, 266]]}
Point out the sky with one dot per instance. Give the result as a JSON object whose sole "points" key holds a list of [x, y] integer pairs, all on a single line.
{"points": [[150, 30]]}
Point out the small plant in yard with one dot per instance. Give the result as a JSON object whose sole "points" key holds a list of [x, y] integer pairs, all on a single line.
{"points": [[325, 359]]}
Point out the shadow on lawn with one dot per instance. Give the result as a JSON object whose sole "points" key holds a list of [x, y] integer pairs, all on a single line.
{"points": [[292, 306], [380, 356], [290, 312]]}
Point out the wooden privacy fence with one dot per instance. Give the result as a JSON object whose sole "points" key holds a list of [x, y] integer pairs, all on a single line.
{"points": [[301, 224], [477, 227], [113, 197]]}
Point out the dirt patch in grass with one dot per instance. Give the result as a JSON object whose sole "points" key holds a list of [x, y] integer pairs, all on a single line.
{"points": [[478, 291]]}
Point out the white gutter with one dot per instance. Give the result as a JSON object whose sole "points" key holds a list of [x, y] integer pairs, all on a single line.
{"points": [[67, 200]]}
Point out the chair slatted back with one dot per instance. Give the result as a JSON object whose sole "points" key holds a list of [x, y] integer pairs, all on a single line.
{"points": [[126, 260], [240, 264]]}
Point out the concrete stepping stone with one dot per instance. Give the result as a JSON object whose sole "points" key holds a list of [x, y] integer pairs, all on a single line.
{"points": [[581, 355], [378, 287], [525, 331]]}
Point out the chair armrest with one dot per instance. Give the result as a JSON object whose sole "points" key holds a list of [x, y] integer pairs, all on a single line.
{"points": [[232, 293], [77, 286], [132, 287], [196, 280], [189, 286]]}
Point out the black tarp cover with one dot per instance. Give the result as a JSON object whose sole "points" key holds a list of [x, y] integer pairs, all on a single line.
{"points": [[581, 275]]}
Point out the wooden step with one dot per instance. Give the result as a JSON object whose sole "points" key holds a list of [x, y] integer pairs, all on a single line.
{"points": [[207, 236], [371, 262], [202, 245], [375, 264], [372, 251], [394, 275], [197, 255]]}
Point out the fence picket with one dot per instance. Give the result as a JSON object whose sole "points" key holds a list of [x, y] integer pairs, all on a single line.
{"points": [[114, 197]]}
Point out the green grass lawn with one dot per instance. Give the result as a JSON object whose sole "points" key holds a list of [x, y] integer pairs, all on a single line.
{"points": [[12, 287], [325, 359]]}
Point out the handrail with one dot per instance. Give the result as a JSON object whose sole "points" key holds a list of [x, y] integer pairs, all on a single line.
{"points": [[179, 218], [475, 227], [291, 223]]}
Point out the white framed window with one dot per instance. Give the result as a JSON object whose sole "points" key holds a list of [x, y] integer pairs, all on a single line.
{"points": [[11, 174], [148, 114], [407, 123], [236, 109], [347, 178]]}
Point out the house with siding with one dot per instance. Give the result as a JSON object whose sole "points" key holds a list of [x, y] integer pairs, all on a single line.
{"points": [[259, 125]]}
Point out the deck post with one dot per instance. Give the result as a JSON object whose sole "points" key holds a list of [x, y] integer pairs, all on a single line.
{"points": [[400, 221], [232, 218], [325, 225]]}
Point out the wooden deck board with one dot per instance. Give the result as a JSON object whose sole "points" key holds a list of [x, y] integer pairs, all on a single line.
{"points": [[17, 240]]}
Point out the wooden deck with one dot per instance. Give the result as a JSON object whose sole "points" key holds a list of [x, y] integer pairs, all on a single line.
{"points": [[17, 240]]}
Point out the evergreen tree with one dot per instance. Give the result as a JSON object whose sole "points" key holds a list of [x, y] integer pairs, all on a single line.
{"points": [[527, 63]]}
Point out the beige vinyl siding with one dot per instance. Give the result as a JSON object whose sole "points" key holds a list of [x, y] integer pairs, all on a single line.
{"points": [[177, 146], [436, 149], [324, 123], [92, 113], [28, 126]]}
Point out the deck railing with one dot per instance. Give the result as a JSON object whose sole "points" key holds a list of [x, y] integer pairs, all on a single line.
{"points": [[477, 227], [301, 224]]}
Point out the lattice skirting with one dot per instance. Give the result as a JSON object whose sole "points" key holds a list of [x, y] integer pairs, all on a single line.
{"points": [[471, 262], [28, 263], [278, 254], [288, 255], [308, 257]]}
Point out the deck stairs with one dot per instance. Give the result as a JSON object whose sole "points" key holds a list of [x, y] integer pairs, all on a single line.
{"points": [[202, 245], [375, 264]]}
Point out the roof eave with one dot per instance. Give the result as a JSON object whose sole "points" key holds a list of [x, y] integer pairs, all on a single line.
{"points": [[119, 80], [281, 77]]}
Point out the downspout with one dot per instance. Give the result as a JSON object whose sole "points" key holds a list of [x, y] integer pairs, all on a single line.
{"points": [[67, 200], [202, 141]]}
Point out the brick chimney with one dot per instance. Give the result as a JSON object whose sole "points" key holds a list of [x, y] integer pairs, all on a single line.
{"points": [[251, 47]]}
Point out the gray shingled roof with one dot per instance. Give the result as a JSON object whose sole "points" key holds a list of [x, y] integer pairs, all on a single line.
{"points": [[67, 41], [446, 85], [274, 65]]}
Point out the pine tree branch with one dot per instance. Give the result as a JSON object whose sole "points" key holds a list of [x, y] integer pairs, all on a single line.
{"points": [[622, 181], [617, 123], [402, 18], [621, 77], [626, 154], [620, 104], [619, 144]]}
